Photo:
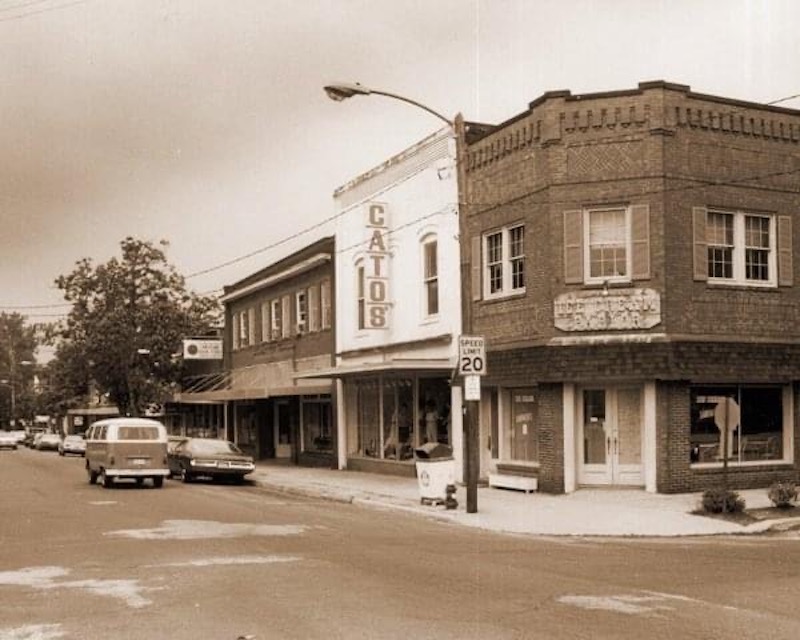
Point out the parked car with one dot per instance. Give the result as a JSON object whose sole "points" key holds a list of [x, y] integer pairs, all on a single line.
{"points": [[19, 435], [174, 441], [72, 444], [210, 458], [47, 441], [7, 440], [126, 448]]}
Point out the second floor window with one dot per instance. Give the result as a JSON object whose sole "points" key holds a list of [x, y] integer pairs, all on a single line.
{"points": [[430, 278], [504, 261], [275, 319], [301, 310], [361, 295], [741, 247], [607, 244]]}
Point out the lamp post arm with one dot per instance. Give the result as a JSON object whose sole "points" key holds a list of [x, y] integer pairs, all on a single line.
{"points": [[413, 102]]}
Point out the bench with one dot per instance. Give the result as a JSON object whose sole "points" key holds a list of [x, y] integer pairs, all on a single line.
{"points": [[509, 477]]}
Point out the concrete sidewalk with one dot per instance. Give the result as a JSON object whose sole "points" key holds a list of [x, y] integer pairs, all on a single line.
{"points": [[587, 512]]}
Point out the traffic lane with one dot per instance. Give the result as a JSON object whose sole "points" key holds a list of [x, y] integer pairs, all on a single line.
{"points": [[403, 572]]}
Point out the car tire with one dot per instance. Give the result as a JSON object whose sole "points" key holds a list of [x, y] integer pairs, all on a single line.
{"points": [[185, 476], [158, 482], [92, 475], [106, 480]]}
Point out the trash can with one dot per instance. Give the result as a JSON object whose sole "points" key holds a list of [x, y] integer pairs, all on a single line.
{"points": [[436, 474]]}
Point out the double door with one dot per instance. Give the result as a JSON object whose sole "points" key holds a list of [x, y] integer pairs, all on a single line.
{"points": [[610, 441]]}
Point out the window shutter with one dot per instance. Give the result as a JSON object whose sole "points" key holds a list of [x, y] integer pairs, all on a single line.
{"points": [[235, 331], [785, 262], [640, 242], [251, 327], [573, 246], [476, 268], [699, 243], [286, 316], [265, 322], [313, 308]]}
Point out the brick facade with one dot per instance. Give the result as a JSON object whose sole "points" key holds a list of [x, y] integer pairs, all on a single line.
{"points": [[664, 153]]}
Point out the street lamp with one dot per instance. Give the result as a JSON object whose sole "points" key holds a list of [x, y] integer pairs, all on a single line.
{"points": [[343, 91]]}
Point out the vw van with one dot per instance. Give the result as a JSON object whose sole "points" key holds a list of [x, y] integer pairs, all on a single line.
{"points": [[126, 448]]}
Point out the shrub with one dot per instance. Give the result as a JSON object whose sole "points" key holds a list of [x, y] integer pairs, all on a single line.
{"points": [[783, 494], [722, 501]]}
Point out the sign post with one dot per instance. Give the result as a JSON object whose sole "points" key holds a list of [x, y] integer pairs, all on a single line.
{"points": [[471, 366]]}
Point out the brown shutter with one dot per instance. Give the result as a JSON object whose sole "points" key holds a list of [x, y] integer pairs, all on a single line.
{"points": [[313, 308], [700, 243], [640, 242], [476, 267], [785, 262], [573, 246]]}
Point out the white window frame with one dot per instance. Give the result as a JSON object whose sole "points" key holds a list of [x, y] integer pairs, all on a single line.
{"points": [[505, 262], [739, 250], [301, 310], [587, 247], [275, 319], [430, 280]]}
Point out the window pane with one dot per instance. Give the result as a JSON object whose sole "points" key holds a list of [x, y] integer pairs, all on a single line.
{"points": [[432, 295], [720, 262], [369, 419], [317, 436], [521, 441], [756, 261], [434, 410], [398, 419], [516, 239], [607, 244], [431, 281], [719, 229]]}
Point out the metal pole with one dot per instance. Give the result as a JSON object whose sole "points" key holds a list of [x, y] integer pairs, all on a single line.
{"points": [[472, 453]]}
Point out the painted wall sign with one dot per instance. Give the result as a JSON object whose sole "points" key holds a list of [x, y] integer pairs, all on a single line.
{"points": [[617, 310], [376, 294]]}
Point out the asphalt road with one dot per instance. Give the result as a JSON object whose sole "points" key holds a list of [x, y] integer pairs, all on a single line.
{"points": [[216, 562]]}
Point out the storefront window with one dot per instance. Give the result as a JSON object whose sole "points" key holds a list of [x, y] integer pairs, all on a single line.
{"points": [[434, 410], [754, 417], [369, 418], [317, 436], [520, 436], [398, 419]]}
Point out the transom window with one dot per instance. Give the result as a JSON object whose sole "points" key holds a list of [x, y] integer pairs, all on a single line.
{"points": [[504, 261], [741, 247], [607, 244]]}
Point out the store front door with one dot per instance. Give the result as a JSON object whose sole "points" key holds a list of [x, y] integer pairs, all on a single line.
{"points": [[610, 438], [283, 430]]}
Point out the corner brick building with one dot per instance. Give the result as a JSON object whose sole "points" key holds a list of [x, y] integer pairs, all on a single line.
{"points": [[629, 258]]}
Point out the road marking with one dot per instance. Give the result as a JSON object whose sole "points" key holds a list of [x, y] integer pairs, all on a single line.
{"points": [[129, 591], [627, 604], [204, 529], [103, 503], [33, 632], [230, 560]]}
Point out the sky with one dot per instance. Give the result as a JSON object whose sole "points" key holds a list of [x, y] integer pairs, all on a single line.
{"points": [[204, 122]]}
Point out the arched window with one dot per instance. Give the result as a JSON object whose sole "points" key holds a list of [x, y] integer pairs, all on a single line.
{"points": [[430, 276]]}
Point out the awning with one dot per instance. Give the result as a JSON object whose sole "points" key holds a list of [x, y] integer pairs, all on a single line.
{"points": [[385, 366]]}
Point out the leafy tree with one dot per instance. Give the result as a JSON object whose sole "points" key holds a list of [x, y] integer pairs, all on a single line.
{"points": [[17, 347], [128, 318]]}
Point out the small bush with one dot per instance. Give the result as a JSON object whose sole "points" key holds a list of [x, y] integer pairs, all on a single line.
{"points": [[783, 494], [722, 501]]}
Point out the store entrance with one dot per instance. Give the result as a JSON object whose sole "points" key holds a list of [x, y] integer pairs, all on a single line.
{"points": [[610, 438]]}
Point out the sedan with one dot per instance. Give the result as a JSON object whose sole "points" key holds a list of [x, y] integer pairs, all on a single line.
{"points": [[210, 458], [74, 444], [7, 440], [49, 441]]}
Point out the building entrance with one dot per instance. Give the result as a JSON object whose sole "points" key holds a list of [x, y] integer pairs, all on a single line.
{"points": [[610, 442]]}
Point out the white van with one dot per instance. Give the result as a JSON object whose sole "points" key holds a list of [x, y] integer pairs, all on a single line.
{"points": [[134, 448]]}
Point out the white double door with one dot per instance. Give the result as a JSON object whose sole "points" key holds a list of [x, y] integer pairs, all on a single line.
{"points": [[610, 436]]}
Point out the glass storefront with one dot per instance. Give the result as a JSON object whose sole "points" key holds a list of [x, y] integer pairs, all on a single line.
{"points": [[316, 424]]}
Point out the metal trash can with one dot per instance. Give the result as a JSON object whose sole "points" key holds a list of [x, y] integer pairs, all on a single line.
{"points": [[436, 474]]}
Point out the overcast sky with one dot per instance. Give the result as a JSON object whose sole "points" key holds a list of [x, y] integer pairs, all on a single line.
{"points": [[203, 122]]}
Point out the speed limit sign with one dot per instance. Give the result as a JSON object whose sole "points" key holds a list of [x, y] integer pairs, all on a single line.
{"points": [[471, 356]]}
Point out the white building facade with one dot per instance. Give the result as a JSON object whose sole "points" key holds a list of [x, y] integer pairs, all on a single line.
{"points": [[399, 309]]}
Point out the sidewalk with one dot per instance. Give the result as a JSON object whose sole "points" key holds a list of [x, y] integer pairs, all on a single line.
{"points": [[587, 512]]}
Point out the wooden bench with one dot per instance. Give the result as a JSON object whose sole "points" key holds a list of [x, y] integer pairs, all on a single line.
{"points": [[512, 477]]}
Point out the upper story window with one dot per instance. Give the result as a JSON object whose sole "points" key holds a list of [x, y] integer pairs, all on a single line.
{"points": [[325, 304], [301, 310], [504, 261], [430, 277], [361, 283], [742, 248], [275, 319], [607, 244]]}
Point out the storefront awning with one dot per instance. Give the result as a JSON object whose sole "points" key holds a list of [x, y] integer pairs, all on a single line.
{"points": [[362, 368]]}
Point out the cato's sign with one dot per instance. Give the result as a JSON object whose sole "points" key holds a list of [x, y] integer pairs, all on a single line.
{"points": [[376, 272]]}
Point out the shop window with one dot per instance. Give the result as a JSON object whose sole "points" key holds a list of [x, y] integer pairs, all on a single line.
{"points": [[520, 441], [316, 426], [369, 419], [755, 419], [398, 419], [434, 410], [504, 262]]}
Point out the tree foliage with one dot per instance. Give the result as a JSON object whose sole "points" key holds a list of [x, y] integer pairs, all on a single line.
{"points": [[17, 347], [128, 319]]}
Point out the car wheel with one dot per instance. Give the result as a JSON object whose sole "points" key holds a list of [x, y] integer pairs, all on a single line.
{"points": [[92, 475], [107, 480], [158, 482], [185, 475]]}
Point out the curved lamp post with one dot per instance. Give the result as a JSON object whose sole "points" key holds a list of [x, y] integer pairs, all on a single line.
{"points": [[343, 91]]}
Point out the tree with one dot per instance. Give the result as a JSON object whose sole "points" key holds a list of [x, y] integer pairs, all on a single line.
{"points": [[128, 319], [17, 347]]}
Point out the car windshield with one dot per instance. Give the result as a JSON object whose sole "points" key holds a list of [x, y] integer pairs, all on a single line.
{"points": [[207, 447]]}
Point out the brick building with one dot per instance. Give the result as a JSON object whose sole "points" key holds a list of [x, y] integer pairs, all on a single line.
{"points": [[629, 258]]}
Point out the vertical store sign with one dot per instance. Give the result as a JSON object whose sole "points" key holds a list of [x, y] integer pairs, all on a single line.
{"points": [[377, 268]]}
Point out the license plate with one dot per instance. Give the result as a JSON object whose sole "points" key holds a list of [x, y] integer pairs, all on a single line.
{"points": [[139, 461]]}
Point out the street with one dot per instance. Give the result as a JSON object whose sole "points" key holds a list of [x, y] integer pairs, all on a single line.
{"points": [[220, 562]]}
